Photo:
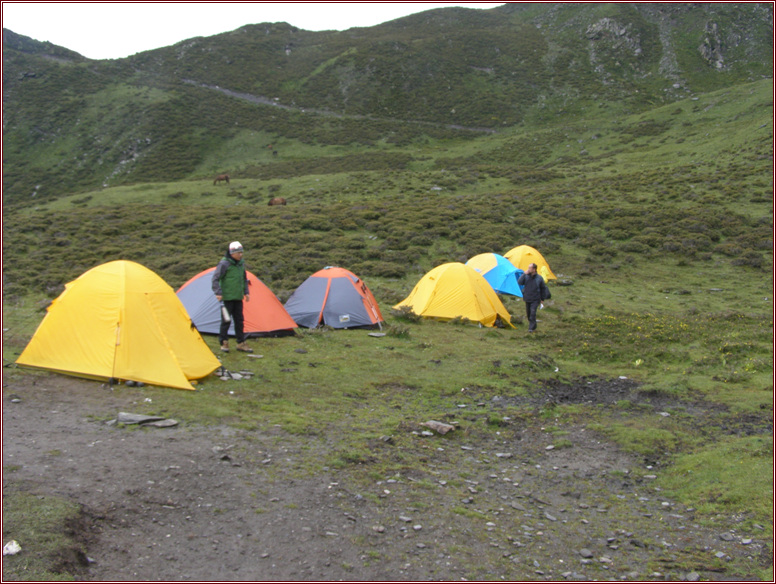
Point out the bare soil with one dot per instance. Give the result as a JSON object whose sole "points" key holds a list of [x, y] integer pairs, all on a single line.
{"points": [[192, 503]]}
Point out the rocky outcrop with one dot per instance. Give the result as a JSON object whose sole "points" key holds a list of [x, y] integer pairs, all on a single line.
{"points": [[619, 36], [711, 49]]}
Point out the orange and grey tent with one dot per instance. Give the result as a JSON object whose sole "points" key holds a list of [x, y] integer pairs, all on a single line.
{"points": [[264, 313], [524, 255], [334, 297], [120, 321], [455, 290]]}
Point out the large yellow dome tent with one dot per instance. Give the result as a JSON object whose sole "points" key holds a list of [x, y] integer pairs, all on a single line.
{"points": [[120, 321], [455, 290], [523, 255]]}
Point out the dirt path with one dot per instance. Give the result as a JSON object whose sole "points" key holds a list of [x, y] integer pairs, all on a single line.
{"points": [[189, 503]]}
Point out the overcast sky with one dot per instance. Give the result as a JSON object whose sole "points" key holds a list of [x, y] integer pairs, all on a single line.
{"points": [[114, 30]]}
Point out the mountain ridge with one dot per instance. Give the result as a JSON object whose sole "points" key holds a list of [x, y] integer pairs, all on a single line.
{"points": [[74, 124]]}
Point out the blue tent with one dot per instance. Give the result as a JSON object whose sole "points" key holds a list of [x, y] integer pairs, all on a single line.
{"points": [[498, 271]]}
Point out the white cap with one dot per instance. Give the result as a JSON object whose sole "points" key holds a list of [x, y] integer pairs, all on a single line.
{"points": [[235, 246]]}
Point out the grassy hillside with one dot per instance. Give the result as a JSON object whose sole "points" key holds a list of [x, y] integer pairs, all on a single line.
{"points": [[74, 125], [690, 181]]}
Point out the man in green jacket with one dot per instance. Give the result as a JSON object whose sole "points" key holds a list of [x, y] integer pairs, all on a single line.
{"points": [[230, 284]]}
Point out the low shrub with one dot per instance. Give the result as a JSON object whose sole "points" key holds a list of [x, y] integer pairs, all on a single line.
{"points": [[406, 314]]}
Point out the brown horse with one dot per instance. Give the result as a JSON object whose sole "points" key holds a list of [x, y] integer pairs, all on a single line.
{"points": [[276, 201], [221, 177]]}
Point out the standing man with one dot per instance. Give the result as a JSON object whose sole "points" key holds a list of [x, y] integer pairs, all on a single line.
{"points": [[230, 284], [534, 291]]}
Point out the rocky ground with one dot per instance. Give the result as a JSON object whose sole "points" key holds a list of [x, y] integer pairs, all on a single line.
{"points": [[191, 503]]}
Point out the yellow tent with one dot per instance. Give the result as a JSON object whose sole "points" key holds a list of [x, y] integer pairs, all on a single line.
{"points": [[120, 320], [523, 255], [455, 290]]}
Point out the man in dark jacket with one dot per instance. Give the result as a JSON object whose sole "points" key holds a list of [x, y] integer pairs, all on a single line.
{"points": [[534, 291], [230, 285]]}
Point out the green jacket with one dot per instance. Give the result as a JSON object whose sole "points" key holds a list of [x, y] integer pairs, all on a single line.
{"points": [[230, 280]]}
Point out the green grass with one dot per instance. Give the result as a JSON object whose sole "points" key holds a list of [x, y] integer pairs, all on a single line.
{"points": [[41, 525], [728, 477]]}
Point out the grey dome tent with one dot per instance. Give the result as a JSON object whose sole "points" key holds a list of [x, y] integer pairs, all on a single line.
{"points": [[334, 297]]}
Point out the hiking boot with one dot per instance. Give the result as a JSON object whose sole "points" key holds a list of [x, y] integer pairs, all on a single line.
{"points": [[225, 346], [244, 348]]}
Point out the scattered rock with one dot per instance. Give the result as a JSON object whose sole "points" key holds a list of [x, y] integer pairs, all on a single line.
{"points": [[167, 423], [693, 577], [11, 548], [586, 553], [440, 427], [127, 418]]}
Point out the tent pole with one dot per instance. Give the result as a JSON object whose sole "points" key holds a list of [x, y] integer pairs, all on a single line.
{"points": [[115, 353]]}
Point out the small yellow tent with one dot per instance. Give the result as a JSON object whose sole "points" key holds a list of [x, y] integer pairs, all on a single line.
{"points": [[523, 255], [455, 290], [120, 320]]}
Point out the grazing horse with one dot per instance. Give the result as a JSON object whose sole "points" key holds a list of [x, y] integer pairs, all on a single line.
{"points": [[221, 177], [276, 201]]}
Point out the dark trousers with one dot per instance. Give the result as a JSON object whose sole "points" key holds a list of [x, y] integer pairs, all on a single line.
{"points": [[530, 313], [235, 309]]}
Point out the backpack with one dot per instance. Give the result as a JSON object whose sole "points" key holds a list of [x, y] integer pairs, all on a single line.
{"points": [[544, 292]]}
